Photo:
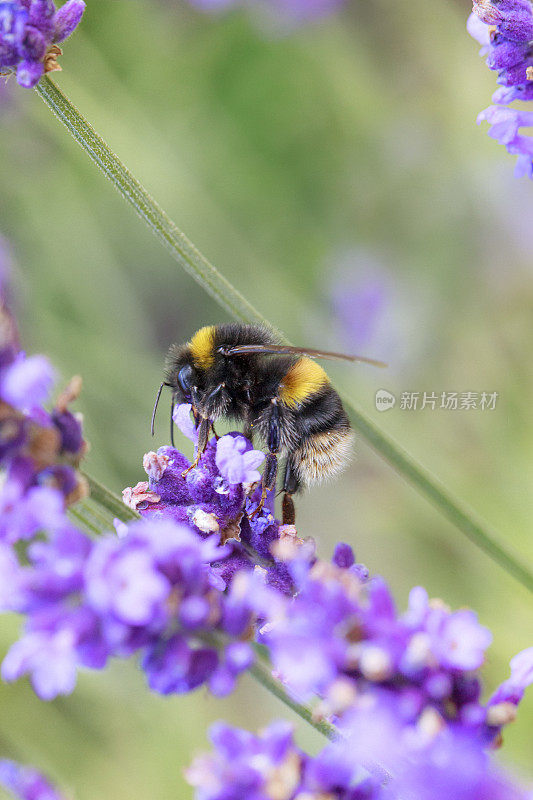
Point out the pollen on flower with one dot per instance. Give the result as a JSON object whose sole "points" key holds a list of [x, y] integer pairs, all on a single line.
{"points": [[133, 497], [375, 663], [501, 714], [206, 522], [155, 464]]}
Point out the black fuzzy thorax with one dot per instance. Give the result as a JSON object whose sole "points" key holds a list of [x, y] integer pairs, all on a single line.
{"points": [[246, 388]]}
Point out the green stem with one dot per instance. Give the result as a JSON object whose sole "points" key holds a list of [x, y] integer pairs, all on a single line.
{"points": [[232, 300], [112, 503], [129, 187], [458, 513]]}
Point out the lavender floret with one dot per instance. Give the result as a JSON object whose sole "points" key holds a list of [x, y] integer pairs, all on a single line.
{"points": [[504, 28], [30, 33]]}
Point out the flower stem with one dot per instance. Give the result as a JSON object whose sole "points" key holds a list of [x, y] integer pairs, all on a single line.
{"points": [[129, 187], [233, 301], [108, 501]]}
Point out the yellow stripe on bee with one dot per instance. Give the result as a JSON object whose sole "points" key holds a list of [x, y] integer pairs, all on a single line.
{"points": [[202, 347], [304, 379]]}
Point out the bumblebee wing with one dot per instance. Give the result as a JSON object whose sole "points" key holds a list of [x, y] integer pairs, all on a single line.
{"points": [[283, 349]]}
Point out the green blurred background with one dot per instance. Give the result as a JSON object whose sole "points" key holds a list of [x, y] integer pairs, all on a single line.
{"points": [[307, 166]]}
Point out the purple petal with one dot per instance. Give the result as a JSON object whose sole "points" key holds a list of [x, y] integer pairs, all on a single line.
{"points": [[182, 418], [67, 19]]}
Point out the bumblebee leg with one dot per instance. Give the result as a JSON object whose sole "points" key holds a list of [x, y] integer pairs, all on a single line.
{"points": [[203, 437], [247, 430], [271, 465], [291, 484], [269, 481]]}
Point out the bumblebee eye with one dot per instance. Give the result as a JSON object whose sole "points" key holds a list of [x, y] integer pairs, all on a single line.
{"points": [[184, 378]]}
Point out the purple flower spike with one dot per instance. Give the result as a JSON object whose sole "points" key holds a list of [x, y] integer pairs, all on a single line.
{"points": [[25, 783], [504, 28]]}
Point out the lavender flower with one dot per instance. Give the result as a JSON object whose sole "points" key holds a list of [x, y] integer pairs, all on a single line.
{"points": [[30, 31], [39, 450], [23, 514], [377, 759], [270, 766], [341, 638], [428, 762], [151, 592], [27, 383], [370, 310], [25, 783], [216, 497], [504, 28]]}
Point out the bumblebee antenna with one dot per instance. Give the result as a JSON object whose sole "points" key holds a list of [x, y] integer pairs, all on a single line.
{"points": [[172, 406], [154, 412]]}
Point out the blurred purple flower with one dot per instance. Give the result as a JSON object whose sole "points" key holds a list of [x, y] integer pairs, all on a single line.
{"points": [[370, 311], [502, 705], [49, 657], [150, 592], [10, 579], [428, 763], [377, 758], [342, 637], [27, 383], [504, 28], [39, 450], [458, 640], [25, 783], [29, 34], [125, 583], [23, 514], [270, 765]]}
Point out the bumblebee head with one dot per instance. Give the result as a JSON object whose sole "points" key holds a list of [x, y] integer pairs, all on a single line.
{"points": [[180, 374], [188, 367]]}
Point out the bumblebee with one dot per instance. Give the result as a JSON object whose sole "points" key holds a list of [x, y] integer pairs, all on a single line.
{"points": [[278, 392]]}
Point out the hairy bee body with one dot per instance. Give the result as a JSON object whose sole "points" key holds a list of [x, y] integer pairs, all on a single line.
{"points": [[285, 399]]}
